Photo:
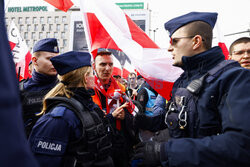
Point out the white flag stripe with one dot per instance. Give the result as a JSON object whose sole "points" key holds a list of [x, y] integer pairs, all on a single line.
{"points": [[20, 50], [151, 63]]}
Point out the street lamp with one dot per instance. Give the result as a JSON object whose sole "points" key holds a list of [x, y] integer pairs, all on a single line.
{"points": [[154, 30]]}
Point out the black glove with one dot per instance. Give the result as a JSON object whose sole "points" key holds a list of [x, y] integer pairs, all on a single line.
{"points": [[142, 121], [148, 153]]}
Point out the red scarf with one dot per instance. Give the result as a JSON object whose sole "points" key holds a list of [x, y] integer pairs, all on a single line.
{"points": [[109, 105]]}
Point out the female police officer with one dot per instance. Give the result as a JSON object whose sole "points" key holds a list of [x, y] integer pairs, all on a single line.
{"points": [[73, 130]]}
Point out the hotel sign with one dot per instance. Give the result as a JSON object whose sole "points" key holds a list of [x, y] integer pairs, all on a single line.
{"points": [[28, 9]]}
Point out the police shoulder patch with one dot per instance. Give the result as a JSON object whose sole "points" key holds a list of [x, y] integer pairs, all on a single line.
{"points": [[58, 111], [48, 146]]}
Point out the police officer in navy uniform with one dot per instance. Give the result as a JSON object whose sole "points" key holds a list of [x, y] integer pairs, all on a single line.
{"points": [[14, 147], [73, 130], [44, 78], [208, 114]]}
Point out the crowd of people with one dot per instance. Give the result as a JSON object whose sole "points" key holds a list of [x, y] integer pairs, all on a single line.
{"points": [[76, 114]]}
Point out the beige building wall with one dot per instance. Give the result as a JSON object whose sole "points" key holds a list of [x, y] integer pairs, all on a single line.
{"points": [[34, 26]]}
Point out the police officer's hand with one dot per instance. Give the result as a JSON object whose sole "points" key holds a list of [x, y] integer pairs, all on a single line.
{"points": [[142, 121], [148, 153]]}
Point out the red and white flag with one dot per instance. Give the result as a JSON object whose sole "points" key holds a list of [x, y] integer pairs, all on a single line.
{"points": [[20, 52], [220, 40], [63, 5], [117, 70], [127, 68], [107, 26]]}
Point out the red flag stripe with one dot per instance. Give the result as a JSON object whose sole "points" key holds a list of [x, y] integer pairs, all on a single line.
{"points": [[63, 5]]}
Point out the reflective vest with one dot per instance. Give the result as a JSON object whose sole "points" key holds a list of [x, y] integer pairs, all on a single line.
{"points": [[150, 103]]}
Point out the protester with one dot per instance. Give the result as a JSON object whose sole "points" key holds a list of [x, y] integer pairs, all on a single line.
{"points": [[44, 78], [118, 78], [110, 95], [14, 147], [134, 87], [240, 51], [208, 113], [146, 95], [73, 131]]}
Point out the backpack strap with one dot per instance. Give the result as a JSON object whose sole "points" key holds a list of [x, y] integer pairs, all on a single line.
{"points": [[220, 68], [74, 105]]}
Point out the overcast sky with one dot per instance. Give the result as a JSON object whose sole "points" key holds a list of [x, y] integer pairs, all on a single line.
{"points": [[234, 15]]}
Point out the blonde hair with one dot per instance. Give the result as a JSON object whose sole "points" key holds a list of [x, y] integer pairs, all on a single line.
{"points": [[70, 79]]}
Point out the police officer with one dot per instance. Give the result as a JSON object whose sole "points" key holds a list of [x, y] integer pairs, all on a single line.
{"points": [[14, 148], [44, 78], [73, 131], [208, 114]]}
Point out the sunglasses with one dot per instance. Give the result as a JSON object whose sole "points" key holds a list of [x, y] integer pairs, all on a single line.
{"points": [[173, 41]]}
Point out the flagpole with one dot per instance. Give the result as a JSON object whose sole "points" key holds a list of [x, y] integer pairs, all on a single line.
{"points": [[18, 74]]}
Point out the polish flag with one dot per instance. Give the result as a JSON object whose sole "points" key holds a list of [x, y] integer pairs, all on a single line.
{"points": [[221, 43], [127, 68], [12, 45], [117, 67], [107, 26], [63, 5], [20, 52]]}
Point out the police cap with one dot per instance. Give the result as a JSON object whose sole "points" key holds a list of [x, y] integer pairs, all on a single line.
{"points": [[176, 23], [47, 45], [70, 61]]}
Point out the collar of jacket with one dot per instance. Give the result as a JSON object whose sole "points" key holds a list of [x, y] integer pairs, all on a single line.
{"points": [[83, 96], [202, 62], [43, 79]]}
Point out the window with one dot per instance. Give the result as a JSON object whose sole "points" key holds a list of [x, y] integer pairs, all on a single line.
{"points": [[47, 34], [21, 28], [41, 20], [27, 20], [20, 20], [25, 35], [28, 42], [65, 42], [36, 27], [33, 35], [64, 19], [66, 27], [43, 27], [34, 20], [34, 42], [50, 27], [63, 35], [55, 34], [56, 19], [28, 27], [13, 18], [58, 27], [40, 35], [61, 50], [49, 20]]}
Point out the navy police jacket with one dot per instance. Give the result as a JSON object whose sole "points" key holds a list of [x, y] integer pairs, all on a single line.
{"points": [[223, 103], [52, 134], [40, 82]]}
